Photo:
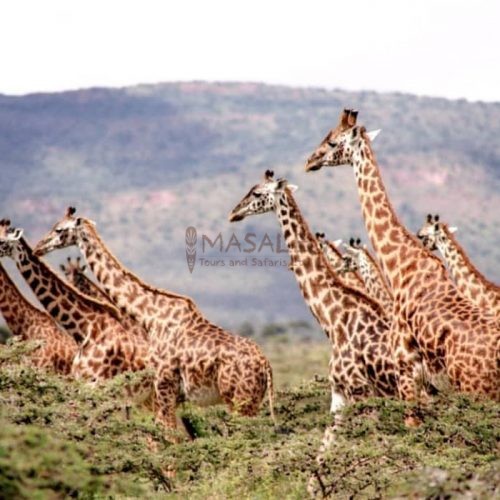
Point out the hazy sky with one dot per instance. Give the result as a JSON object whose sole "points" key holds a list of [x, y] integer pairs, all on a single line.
{"points": [[434, 47]]}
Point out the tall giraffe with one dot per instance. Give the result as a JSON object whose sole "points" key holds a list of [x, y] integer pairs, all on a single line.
{"points": [[361, 361], [188, 352], [339, 264], [75, 273], [373, 277], [27, 322], [469, 280], [451, 334], [106, 349]]}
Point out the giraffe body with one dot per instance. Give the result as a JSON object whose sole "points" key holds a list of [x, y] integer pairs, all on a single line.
{"points": [[188, 353], [27, 322], [361, 361], [441, 325], [469, 280]]}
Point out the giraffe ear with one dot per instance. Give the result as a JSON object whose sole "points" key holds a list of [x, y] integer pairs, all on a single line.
{"points": [[453, 229], [337, 243], [292, 187], [16, 234], [372, 135]]}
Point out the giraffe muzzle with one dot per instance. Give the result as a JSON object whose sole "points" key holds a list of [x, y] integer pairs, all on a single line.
{"points": [[235, 217]]}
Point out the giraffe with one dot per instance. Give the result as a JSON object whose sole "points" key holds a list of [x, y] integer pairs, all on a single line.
{"points": [[361, 362], [340, 263], [105, 348], [75, 273], [372, 274], [433, 320], [470, 282], [27, 322], [188, 353]]}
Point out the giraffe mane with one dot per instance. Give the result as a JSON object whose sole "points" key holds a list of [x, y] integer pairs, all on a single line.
{"points": [[464, 255], [396, 220], [90, 227]]}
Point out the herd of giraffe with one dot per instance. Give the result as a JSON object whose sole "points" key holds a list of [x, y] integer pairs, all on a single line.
{"points": [[394, 321]]}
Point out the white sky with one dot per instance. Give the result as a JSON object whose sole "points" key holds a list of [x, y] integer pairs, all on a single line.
{"points": [[444, 48]]}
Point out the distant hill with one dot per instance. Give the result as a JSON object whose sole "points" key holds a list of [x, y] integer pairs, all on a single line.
{"points": [[148, 161]]}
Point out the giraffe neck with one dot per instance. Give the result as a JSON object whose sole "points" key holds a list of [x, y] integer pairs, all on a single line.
{"points": [[397, 249], [322, 289], [374, 280], [88, 287], [470, 282], [72, 310], [18, 312], [153, 308]]}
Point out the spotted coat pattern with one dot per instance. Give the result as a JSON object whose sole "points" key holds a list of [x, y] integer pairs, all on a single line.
{"points": [[361, 361], [105, 348], [451, 334], [25, 321], [188, 353], [469, 280]]}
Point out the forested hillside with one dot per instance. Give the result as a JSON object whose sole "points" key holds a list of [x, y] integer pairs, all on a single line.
{"points": [[146, 162]]}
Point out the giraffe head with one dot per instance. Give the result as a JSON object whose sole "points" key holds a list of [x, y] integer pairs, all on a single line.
{"points": [[323, 242], [73, 268], [9, 236], [64, 233], [432, 232], [261, 198], [337, 147], [353, 253]]}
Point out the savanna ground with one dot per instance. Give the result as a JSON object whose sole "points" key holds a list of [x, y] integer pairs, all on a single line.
{"points": [[60, 438]]}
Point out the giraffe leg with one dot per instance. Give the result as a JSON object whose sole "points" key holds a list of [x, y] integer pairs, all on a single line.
{"points": [[406, 360], [167, 388], [338, 400], [316, 486]]}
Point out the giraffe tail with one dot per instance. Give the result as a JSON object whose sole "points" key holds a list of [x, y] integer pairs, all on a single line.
{"points": [[270, 390]]}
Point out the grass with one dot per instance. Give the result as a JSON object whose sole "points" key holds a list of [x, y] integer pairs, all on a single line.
{"points": [[60, 438]]}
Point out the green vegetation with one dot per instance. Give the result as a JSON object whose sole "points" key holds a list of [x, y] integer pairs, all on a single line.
{"points": [[61, 438]]}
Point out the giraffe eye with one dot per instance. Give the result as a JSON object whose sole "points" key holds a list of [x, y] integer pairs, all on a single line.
{"points": [[257, 195], [59, 230], [332, 144]]}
